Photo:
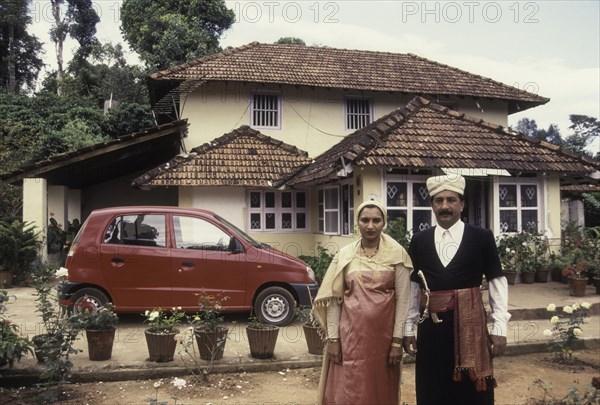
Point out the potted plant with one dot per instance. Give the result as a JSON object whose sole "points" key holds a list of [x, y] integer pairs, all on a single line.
{"points": [[160, 335], [506, 250], [556, 264], [100, 326], [310, 327], [577, 276], [12, 345], [210, 334], [19, 249], [261, 338]]}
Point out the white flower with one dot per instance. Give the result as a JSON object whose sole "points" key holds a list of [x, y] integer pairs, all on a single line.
{"points": [[157, 384], [586, 305], [179, 308], [507, 250], [554, 319], [513, 252], [524, 243], [547, 332], [577, 332], [147, 313], [62, 272], [568, 309], [179, 382], [153, 315], [551, 308], [575, 307]]}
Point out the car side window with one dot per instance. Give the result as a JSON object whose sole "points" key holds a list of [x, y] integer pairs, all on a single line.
{"points": [[197, 233], [137, 230]]}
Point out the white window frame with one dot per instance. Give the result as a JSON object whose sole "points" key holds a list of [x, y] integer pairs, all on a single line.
{"points": [[278, 210], [408, 207], [323, 219], [347, 228], [360, 116], [277, 110], [518, 208]]}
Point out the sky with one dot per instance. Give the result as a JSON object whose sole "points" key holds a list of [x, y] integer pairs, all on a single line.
{"points": [[551, 48]]}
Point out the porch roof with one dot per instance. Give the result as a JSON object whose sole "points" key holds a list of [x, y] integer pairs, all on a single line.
{"points": [[332, 68], [104, 161], [424, 134], [243, 157]]}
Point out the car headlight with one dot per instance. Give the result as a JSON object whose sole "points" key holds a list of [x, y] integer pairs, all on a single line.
{"points": [[311, 274]]}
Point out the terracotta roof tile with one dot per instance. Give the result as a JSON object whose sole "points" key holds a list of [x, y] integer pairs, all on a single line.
{"points": [[433, 136], [344, 69], [243, 157]]}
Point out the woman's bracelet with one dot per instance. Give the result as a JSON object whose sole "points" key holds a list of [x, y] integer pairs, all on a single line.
{"points": [[331, 340], [396, 345]]}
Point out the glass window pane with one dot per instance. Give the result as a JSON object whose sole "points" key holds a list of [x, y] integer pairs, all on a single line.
{"points": [[254, 199], [144, 230], [508, 221], [321, 225], [529, 196], [254, 221], [331, 198], [113, 232], [394, 214], [396, 194], [196, 233], [320, 196], [421, 220], [508, 195], [300, 220], [270, 200], [331, 220], [270, 221], [420, 195], [529, 220], [300, 199], [286, 199], [286, 220]]}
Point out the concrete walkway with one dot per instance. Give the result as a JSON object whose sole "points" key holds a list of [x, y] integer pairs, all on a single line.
{"points": [[527, 304]]}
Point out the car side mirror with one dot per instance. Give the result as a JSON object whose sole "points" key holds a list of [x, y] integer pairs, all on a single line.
{"points": [[235, 246]]}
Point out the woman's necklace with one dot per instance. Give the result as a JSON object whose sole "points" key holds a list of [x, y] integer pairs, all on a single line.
{"points": [[369, 255]]}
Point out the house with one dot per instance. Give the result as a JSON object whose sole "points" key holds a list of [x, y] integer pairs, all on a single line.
{"points": [[375, 123]]}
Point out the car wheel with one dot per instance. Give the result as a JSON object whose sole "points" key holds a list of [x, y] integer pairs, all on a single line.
{"points": [[91, 299], [275, 306]]}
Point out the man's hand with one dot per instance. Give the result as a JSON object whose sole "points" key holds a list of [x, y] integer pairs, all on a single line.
{"points": [[334, 349], [497, 345], [410, 345]]}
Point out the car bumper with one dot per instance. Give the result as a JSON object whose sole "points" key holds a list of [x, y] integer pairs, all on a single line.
{"points": [[306, 293]]}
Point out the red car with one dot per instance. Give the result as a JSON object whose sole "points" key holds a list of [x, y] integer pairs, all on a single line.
{"points": [[141, 258]]}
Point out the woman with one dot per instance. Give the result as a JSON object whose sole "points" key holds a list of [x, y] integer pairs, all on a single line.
{"points": [[362, 306]]}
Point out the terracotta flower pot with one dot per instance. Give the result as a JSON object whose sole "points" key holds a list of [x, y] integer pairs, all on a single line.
{"points": [[313, 339], [161, 346], [262, 341], [577, 286], [44, 348], [511, 276], [596, 281], [528, 277], [100, 343], [541, 276], [211, 344], [6, 279]]}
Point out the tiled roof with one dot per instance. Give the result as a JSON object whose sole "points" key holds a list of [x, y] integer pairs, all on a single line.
{"points": [[243, 157], [427, 135], [581, 188], [344, 69]]}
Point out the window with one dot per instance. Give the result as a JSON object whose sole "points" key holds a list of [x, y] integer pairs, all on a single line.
{"points": [[409, 200], [358, 113], [329, 212], [137, 230], [277, 210], [347, 209], [265, 111], [196, 233], [519, 207]]}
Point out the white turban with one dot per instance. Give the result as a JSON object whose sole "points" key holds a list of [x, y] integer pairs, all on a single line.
{"points": [[450, 182]]}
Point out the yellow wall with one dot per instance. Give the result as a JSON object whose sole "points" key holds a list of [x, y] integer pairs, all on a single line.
{"points": [[312, 119]]}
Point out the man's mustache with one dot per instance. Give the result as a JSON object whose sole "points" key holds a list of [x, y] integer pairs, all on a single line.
{"points": [[445, 212]]}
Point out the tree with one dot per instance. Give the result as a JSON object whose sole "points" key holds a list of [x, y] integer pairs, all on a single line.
{"points": [[529, 127], [166, 33], [79, 21], [19, 51], [290, 40], [585, 130]]}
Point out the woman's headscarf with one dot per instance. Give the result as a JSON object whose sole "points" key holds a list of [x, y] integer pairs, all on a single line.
{"points": [[374, 203]]}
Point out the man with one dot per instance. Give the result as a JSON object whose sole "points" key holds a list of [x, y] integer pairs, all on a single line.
{"points": [[453, 348]]}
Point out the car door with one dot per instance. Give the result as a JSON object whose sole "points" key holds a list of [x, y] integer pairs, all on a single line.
{"points": [[135, 261], [201, 259]]}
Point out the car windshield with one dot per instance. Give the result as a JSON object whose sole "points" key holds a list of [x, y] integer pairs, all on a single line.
{"points": [[243, 234]]}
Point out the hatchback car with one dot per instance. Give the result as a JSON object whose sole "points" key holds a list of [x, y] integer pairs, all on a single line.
{"points": [[141, 258]]}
